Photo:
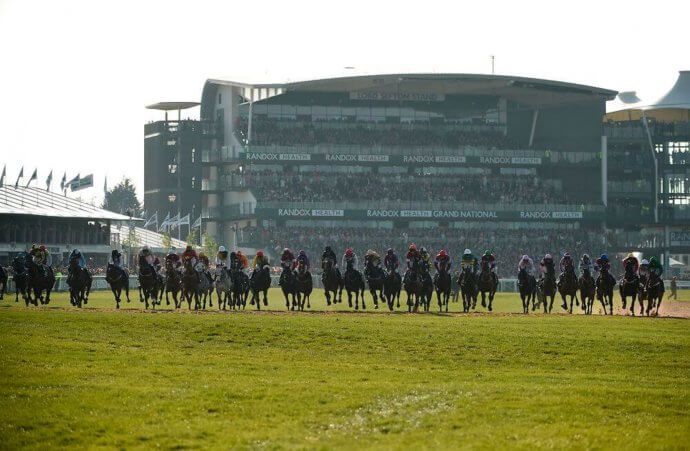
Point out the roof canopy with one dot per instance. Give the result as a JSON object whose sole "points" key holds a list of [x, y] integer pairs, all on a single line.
{"points": [[38, 202], [678, 97], [172, 106]]}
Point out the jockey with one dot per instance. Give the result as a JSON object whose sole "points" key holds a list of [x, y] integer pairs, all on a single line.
{"points": [[424, 254], [350, 260], [602, 263], [527, 264], [413, 256], [302, 258], [630, 264], [77, 255], [222, 257], [442, 257], [156, 264], [173, 259], [644, 268], [586, 264], [243, 260], [260, 261], [287, 259], [655, 267], [328, 254], [374, 257], [145, 257], [203, 264], [489, 259], [190, 254], [546, 264], [116, 259], [390, 261], [469, 261], [40, 254], [566, 263]]}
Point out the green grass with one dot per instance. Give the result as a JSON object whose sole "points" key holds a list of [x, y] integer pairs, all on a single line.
{"points": [[128, 379]]}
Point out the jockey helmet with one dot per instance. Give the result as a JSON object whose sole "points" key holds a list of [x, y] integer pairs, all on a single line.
{"points": [[286, 250], [487, 253], [145, 248], [260, 254], [188, 248], [34, 246], [171, 251], [547, 257], [630, 255], [644, 262], [348, 252], [567, 254], [239, 252], [390, 251], [585, 257], [75, 252], [467, 252], [327, 249], [412, 247], [42, 247], [653, 260], [604, 257], [442, 253], [525, 257], [301, 252], [221, 248], [114, 253], [423, 250]]}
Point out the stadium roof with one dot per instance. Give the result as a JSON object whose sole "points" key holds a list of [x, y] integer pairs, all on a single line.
{"points": [[677, 98], [38, 202], [146, 237], [172, 106], [532, 91]]}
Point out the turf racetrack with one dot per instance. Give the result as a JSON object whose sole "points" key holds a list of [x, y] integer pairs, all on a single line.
{"points": [[127, 379]]}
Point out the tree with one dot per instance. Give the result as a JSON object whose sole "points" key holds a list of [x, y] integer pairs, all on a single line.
{"points": [[209, 244], [167, 240], [192, 239], [123, 199]]}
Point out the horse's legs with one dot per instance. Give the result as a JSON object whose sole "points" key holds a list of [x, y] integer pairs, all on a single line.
{"points": [[363, 305], [126, 287], [658, 304], [491, 300], [328, 296]]}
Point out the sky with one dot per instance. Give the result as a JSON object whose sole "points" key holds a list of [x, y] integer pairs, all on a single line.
{"points": [[75, 75]]}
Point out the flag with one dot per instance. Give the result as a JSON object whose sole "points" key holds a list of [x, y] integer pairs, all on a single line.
{"points": [[2, 177], [72, 183], [79, 183], [63, 182], [33, 177], [183, 221], [152, 220], [197, 223], [105, 186], [19, 177], [165, 222], [49, 180], [174, 221]]}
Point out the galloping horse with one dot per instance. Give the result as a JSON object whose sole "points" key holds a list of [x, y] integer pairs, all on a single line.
{"points": [[224, 286], [303, 286], [205, 289], [655, 290], [191, 279], [546, 288], [118, 280], [412, 283], [587, 291], [173, 284], [354, 283], [642, 293], [527, 285], [442, 285], [488, 283], [374, 275], [240, 287], [41, 278], [21, 278], [332, 282], [629, 286], [605, 284], [260, 282], [468, 288], [568, 287], [392, 285], [79, 284], [287, 285]]}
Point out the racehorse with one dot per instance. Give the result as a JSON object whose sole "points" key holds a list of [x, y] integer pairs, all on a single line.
{"points": [[41, 278], [303, 286], [240, 288], [568, 287], [546, 288], [442, 285], [354, 283], [468, 288], [374, 275], [629, 286], [205, 289], [392, 285], [79, 283], [260, 282], [118, 280], [642, 293], [191, 280], [412, 283], [287, 285], [21, 278], [527, 285], [488, 283], [587, 291], [3, 282], [224, 286], [332, 282], [173, 284], [605, 284], [655, 293]]}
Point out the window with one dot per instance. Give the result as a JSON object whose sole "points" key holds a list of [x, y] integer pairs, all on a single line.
{"points": [[193, 155], [193, 182], [172, 168], [220, 98]]}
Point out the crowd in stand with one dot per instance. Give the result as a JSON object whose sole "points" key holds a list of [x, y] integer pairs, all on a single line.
{"points": [[507, 245], [321, 187], [287, 133]]}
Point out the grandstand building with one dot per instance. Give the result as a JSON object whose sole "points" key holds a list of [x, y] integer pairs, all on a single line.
{"points": [[383, 160]]}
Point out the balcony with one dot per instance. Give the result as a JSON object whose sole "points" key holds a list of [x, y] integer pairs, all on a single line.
{"points": [[223, 155]]}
